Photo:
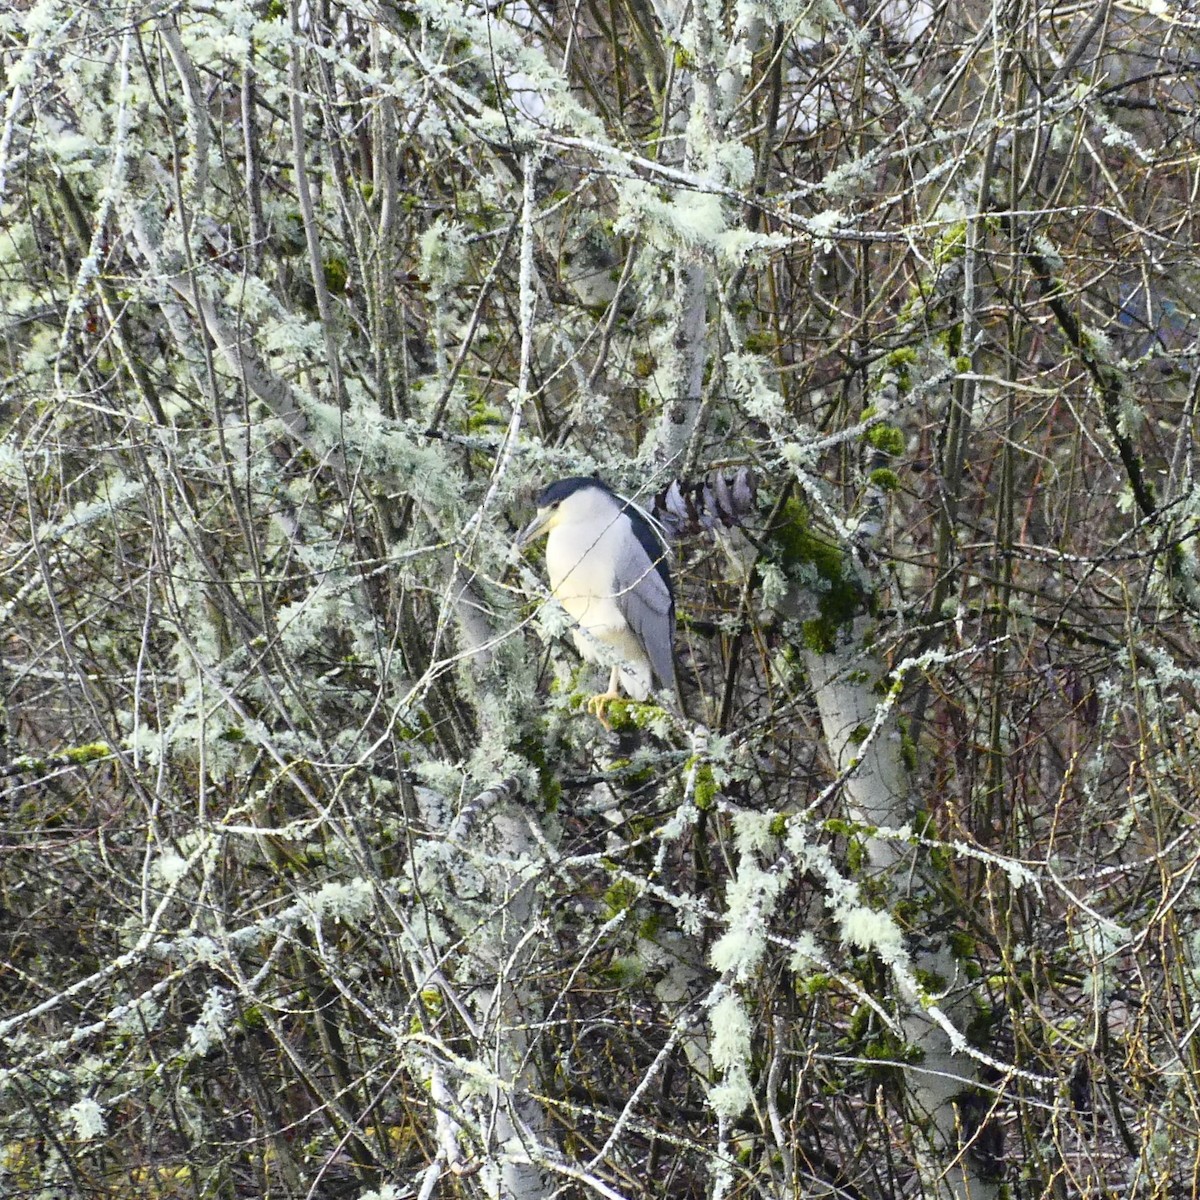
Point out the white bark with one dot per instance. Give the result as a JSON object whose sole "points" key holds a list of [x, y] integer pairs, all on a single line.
{"points": [[878, 796], [506, 855]]}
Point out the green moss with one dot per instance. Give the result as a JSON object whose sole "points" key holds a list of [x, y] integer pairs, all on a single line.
{"points": [[859, 734], [706, 788], [860, 1024], [26, 764], [779, 826], [882, 1050], [814, 985], [621, 896], [906, 1052], [533, 750], [78, 755], [840, 596], [931, 982], [950, 338], [962, 944], [625, 971], [884, 479], [951, 245], [420, 731], [251, 1017], [899, 362], [551, 790], [856, 855], [650, 928], [886, 438], [819, 635], [631, 714], [913, 308], [337, 274], [760, 343], [483, 417], [924, 826]]}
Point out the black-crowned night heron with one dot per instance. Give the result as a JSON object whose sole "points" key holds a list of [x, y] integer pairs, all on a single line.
{"points": [[608, 569]]}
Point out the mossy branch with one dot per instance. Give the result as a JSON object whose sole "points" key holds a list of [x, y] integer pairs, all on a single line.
{"points": [[73, 756]]}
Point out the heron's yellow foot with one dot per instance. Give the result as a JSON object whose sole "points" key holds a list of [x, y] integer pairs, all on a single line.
{"points": [[597, 704]]}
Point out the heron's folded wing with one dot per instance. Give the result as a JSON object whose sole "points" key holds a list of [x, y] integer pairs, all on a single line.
{"points": [[645, 601]]}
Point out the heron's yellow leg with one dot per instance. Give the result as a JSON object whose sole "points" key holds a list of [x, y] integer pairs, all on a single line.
{"points": [[597, 704]]}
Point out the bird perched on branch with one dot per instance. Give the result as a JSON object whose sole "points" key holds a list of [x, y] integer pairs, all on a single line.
{"points": [[608, 568]]}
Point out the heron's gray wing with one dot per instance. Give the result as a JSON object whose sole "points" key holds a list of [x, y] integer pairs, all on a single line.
{"points": [[644, 598]]}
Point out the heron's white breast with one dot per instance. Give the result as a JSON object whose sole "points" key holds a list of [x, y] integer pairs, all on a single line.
{"points": [[580, 562]]}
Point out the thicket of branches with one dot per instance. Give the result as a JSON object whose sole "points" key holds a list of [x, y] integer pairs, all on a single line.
{"points": [[317, 880]]}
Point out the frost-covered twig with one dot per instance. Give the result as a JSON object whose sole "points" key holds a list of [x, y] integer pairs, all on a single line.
{"points": [[527, 308], [136, 954], [89, 268], [308, 217]]}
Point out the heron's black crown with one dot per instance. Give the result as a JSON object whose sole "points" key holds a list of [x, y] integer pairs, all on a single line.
{"points": [[557, 492]]}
